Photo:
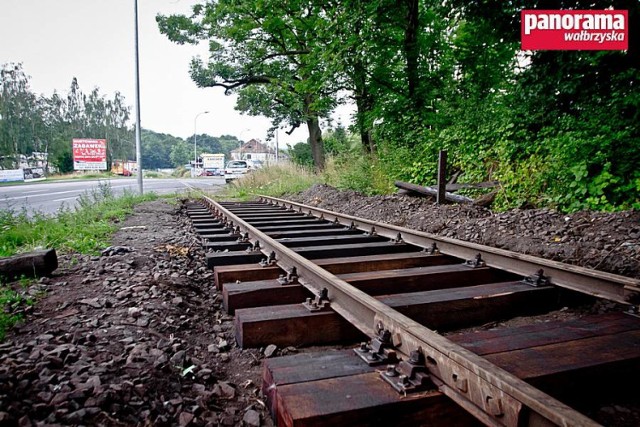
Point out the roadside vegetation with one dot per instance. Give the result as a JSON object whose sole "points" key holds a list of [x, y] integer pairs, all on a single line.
{"points": [[277, 180], [85, 229], [555, 128]]}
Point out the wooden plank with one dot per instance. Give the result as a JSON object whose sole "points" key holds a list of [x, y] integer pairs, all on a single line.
{"points": [[222, 237], [266, 214], [32, 264], [244, 273], [359, 249], [442, 172], [305, 367], [202, 216], [457, 308], [384, 262], [284, 221], [320, 225], [570, 359], [363, 400], [286, 325], [205, 232], [276, 217], [215, 259], [330, 240], [560, 357], [261, 293], [423, 278], [206, 220], [509, 339], [332, 231], [208, 225], [226, 246], [432, 192]]}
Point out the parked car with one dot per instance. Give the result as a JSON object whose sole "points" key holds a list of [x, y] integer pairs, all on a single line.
{"points": [[235, 169]]}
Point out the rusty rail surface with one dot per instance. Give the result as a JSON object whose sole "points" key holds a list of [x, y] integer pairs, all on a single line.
{"points": [[491, 394]]}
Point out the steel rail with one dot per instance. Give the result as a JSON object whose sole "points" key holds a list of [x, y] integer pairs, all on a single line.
{"points": [[492, 395], [623, 290]]}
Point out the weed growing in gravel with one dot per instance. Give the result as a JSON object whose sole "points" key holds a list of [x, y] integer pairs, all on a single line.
{"points": [[10, 301], [284, 178], [84, 229]]}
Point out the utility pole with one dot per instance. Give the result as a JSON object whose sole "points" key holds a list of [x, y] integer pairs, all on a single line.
{"points": [[138, 144]]}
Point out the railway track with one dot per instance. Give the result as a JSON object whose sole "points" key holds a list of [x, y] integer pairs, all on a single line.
{"points": [[297, 275]]}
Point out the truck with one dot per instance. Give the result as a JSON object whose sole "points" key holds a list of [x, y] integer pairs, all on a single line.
{"points": [[212, 163], [123, 167]]}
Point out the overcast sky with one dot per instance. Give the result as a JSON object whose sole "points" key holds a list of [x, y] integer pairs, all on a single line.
{"points": [[93, 40]]}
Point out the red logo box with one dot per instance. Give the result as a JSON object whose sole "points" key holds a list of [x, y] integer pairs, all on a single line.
{"points": [[574, 29]]}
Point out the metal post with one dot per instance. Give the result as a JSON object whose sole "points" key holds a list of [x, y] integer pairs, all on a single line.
{"points": [[138, 144], [277, 146], [442, 171]]}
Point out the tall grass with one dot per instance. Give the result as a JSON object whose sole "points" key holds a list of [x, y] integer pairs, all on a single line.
{"points": [[360, 172], [84, 229], [276, 180]]}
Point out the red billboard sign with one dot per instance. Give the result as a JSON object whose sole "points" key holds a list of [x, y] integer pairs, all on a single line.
{"points": [[574, 29], [89, 154]]}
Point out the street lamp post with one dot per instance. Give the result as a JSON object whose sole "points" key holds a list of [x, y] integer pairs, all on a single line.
{"points": [[138, 143], [195, 141]]}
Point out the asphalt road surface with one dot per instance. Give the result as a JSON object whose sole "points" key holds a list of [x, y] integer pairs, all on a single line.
{"points": [[49, 197]]}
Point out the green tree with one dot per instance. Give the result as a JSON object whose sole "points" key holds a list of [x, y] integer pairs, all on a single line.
{"points": [[18, 115], [262, 52], [181, 154], [301, 154]]}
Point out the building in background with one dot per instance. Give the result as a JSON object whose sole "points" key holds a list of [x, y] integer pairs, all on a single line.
{"points": [[254, 150]]}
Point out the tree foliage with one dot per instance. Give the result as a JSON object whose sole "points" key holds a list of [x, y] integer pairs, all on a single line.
{"points": [[266, 52], [30, 123]]}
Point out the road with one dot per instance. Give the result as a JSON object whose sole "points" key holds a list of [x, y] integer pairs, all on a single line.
{"points": [[48, 197]]}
